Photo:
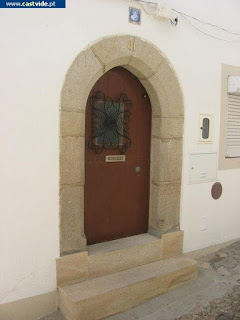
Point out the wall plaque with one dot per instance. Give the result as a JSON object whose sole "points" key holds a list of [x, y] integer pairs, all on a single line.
{"points": [[115, 158], [134, 15], [216, 190]]}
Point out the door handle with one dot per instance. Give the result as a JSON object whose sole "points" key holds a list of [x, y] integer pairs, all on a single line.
{"points": [[137, 169]]}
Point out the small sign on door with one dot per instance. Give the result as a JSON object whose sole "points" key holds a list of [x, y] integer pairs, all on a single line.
{"points": [[115, 158]]}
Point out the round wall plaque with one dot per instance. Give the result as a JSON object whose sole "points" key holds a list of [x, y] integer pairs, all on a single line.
{"points": [[216, 190]]}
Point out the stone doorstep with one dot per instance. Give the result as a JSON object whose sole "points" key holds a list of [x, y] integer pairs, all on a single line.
{"points": [[101, 297], [108, 257], [120, 244], [117, 255]]}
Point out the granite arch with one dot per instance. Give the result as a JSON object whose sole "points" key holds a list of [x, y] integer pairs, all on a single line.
{"points": [[159, 78]]}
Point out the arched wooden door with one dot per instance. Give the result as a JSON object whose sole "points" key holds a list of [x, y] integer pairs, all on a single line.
{"points": [[117, 158]]}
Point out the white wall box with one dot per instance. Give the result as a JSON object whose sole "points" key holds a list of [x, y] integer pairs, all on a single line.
{"points": [[203, 167]]}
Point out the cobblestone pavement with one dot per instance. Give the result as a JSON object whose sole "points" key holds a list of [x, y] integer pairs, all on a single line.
{"points": [[225, 308], [214, 295], [226, 262]]}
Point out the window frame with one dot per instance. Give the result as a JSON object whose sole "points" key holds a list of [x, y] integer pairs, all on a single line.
{"points": [[226, 163]]}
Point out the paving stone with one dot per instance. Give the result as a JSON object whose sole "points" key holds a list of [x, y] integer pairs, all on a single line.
{"points": [[223, 271], [225, 308], [54, 316], [222, 255], [205, 265]]}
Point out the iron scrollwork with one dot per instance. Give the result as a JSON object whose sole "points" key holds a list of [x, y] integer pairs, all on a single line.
{"points": [[110, 122]]}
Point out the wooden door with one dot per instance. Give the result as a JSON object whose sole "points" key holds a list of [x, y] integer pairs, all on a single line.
{"points": [[118, 124]]}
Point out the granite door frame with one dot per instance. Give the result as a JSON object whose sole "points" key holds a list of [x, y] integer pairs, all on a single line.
{"points": [[159, 78]]}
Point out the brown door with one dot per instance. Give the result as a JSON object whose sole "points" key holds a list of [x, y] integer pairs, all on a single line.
{"points": [[118, 126]]}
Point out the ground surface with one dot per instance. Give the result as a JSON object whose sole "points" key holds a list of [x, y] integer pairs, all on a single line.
{"points": [[215, 294]]}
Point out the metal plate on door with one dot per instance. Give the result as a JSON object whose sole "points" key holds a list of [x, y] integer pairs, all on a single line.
{"points": [[115, 158], [137, 169]]}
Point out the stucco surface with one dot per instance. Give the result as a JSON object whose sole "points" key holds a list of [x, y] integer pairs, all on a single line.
{"points": [[37, 48]]}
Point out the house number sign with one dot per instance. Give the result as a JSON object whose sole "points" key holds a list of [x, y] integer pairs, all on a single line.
{"points": [[115, 158], [131, 45]]}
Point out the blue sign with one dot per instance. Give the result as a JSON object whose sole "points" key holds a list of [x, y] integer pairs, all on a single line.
{"points": [[45, 4], [134, 15]]}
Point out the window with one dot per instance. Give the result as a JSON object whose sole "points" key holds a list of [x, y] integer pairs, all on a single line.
{"points": [[233, 126], [229, 146], [110, 120]]}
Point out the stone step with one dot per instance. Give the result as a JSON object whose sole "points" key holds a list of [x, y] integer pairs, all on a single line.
{"points": [[114, 256], [101, 297], [118, 255]]}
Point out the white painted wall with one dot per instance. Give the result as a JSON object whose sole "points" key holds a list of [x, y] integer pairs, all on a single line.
{"points": [[37, 47]]}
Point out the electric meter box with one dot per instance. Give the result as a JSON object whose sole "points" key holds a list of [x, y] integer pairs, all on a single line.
{"points": [[205, 128], [203, 167]]}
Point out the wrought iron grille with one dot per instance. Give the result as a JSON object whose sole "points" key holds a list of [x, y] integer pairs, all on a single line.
{"points": [[110, 122]]}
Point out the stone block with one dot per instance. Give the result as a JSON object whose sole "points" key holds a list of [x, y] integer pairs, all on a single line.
{"points": [[167, 128], [131, 252], [72, 160], [172, 244], [72, 268], [99, 298], [165, 208], [80, 78], [166, 160], [72, 123], [146, 59], [164, 90], [113, 51], [30, 308], [72, 238], [157, 95]]}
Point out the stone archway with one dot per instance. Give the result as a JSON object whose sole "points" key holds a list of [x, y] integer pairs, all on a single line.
{"points": [[153, 69]]}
